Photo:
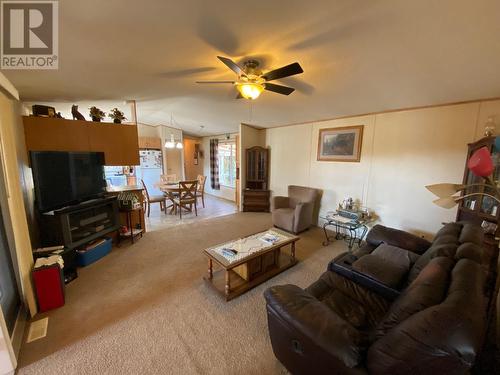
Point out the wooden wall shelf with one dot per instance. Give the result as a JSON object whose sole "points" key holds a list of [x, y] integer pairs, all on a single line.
{"points": [[119, 142]]}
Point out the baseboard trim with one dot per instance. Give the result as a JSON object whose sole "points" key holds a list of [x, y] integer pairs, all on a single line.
{"points": [[216, 196], [18, 332]]}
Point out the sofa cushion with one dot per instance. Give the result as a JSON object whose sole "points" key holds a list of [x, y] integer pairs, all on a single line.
{"points": [[470, 233], [427, 290], [387, 273], [445, 249], [395, 254], [441, 339], [357, 305], [446, 239], [453, 229], [470, 251], [380, 234]]}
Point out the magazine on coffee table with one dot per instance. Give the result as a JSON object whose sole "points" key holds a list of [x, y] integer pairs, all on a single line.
{"points": [[239, 249]]}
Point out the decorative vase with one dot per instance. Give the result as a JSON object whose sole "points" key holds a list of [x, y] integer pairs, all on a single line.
{"points": [[96, 119], [117, 121]]}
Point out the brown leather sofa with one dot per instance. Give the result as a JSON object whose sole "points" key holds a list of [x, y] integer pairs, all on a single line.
{"points": [[295, 212], [432, 323]]}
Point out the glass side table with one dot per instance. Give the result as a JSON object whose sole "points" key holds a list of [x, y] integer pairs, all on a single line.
{"points": [[350, 230]]}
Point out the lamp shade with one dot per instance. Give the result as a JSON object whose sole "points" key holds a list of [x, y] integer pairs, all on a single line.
{"points": [[444, 190], [480, 163], [448, 202], [250, 90]]}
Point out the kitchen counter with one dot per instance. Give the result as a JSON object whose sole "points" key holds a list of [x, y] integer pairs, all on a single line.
{"points": [[124, 188]]}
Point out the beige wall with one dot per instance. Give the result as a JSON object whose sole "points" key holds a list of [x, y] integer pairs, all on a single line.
{"points": [[190, 169], [19, 191], [224, 192], [401, 153], [249, 137]]}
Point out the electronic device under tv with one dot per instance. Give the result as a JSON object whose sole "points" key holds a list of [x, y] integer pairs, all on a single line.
{"points": [[65, 178]]}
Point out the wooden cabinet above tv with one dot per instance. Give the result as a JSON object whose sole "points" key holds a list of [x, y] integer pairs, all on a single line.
{"points": [[119, 142]]}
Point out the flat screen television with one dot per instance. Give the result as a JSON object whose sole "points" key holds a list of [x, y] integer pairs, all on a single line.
{"points": [[65, 178]]}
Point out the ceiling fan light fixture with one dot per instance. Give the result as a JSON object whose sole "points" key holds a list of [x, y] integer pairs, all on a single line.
{"points": [[178, 145], [250, 90]]}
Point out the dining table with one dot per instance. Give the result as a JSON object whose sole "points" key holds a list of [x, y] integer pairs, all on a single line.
{"points": [[171, 191]]}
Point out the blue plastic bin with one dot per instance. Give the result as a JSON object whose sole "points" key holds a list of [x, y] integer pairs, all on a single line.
{"points": [[91, 256]]}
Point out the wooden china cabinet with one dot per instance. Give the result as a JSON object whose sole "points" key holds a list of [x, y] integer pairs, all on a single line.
{"points": [[256, 195], [481, 208]]}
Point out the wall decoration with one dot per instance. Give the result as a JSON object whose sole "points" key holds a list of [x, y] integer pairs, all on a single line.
{"points": [[196, 153], [340, 144]]}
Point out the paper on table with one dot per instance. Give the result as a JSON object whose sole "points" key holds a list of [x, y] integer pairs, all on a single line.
{"points": [[341, 219]]}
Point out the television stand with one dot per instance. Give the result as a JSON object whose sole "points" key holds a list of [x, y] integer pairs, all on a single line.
{"points": [[76, 225]]}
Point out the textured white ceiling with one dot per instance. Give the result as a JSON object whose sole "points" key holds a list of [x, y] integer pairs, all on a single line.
{"points": [[358, 56]]}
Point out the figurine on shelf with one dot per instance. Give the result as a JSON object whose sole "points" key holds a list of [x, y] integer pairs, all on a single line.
{"points": [[96, 114], [76, 115], [117, 116]]}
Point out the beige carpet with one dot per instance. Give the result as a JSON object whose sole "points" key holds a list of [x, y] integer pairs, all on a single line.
{"points": [[144, 309]]}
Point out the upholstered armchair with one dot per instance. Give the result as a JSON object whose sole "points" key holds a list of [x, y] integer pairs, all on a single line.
{"points": [[295, 212]]}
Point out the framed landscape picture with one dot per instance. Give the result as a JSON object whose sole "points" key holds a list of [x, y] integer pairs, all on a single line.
{"points": [[340, 144]]}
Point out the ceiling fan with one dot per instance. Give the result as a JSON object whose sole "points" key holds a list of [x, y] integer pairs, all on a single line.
{"points": [[251, 81]]}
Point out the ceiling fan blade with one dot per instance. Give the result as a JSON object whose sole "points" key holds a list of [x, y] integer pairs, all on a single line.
{"points": [[285, 71], [232, 82], [231, 65], [284, 90], [239, 96]]}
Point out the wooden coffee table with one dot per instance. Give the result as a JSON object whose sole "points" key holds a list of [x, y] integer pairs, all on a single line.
{"points": [[255, 262]]}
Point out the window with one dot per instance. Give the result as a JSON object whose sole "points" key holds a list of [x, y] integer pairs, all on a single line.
{"points": [[227, 163]]}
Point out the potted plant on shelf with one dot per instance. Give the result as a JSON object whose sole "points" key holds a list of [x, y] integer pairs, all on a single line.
{"points": [[96, 114], [117, 116]]}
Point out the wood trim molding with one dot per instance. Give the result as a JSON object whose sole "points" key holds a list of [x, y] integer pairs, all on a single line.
{"points": [[8, 87], [379, 112]]}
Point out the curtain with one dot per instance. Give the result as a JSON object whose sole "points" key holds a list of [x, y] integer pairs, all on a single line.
{"points": [[214, 164]]}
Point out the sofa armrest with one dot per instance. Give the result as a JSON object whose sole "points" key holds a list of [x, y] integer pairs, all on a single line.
{"points": [[395, 237], [279, 202], [317, 322], [343, 266]]}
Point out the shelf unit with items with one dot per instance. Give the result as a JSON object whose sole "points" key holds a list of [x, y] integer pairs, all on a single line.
{"points": [[77, 225], [256, 194], [480, 208]]}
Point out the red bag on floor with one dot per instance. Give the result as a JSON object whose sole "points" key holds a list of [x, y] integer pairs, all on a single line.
{"points": [[49, 286]]}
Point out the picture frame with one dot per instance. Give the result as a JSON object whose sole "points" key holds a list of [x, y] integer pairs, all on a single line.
{"points": [[340, 144]]}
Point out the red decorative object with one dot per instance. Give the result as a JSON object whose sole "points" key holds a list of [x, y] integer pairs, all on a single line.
{"points": [[480, 163], [49, 287]]}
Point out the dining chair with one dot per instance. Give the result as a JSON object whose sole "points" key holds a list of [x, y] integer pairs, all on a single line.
{"points": [[200, 191], [161, 199], [187, 196], [168, 178]]}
